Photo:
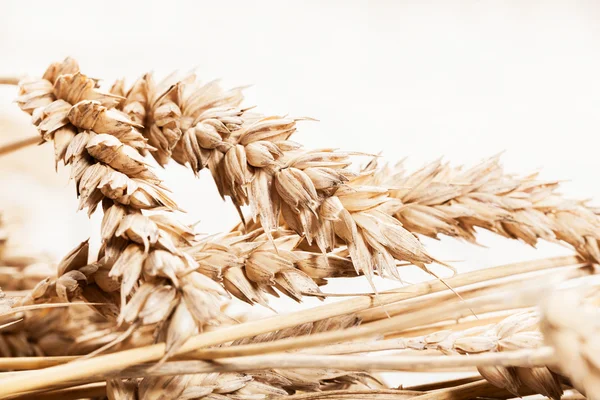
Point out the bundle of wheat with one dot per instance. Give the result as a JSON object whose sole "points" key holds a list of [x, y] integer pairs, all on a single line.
{"points": [[155, 292]]}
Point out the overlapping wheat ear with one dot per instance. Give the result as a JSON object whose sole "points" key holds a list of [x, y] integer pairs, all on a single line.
{"points": [[28, 329], [59, 332], [104, 147], [314, 193]]}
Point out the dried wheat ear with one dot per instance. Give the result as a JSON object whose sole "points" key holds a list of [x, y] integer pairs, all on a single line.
{"points": [[312, 218]]}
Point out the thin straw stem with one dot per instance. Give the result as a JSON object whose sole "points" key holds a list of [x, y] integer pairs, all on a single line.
{"points": [[23, 363], [460, 325], [467, 391], [426, 387], [19, 144], [77, 392], [356, 394], [518, 358], [9, 80], [431, 311]]}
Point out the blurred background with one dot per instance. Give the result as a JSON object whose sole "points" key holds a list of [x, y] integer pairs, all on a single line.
{"points": [[462, 80]]}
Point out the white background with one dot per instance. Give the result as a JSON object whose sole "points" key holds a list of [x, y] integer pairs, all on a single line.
{"points": [[462, 80]]}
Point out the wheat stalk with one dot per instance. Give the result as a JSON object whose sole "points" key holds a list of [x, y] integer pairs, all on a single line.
{"points": [[18, 144], [235, 385]]}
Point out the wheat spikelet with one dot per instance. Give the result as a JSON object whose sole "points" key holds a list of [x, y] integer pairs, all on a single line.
{"points": [[251, 265]]}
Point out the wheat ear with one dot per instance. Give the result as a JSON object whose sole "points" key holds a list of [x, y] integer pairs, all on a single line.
{"points": [[103, 147], [440, 199]]}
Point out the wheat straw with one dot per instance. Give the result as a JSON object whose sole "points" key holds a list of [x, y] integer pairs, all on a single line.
{"points": [[18, 144]]}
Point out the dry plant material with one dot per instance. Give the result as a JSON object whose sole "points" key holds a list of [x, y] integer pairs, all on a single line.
{"points": [[312, 217], [440, 199], [42, 331], [571, 324], [518, 331], [142, 272], [250, 385], [19, 144], [375, 211], [29, 333], [254, 162]]}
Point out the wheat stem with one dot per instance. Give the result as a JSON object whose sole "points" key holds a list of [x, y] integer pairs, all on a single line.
{"points": [[523, 358], [23, 363], [396, 308], [9, 80], [450, 310], [77, 392], [427, 387], [445, 311], [352, 394], [459, 325], [19, 144], [463, 392]]}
